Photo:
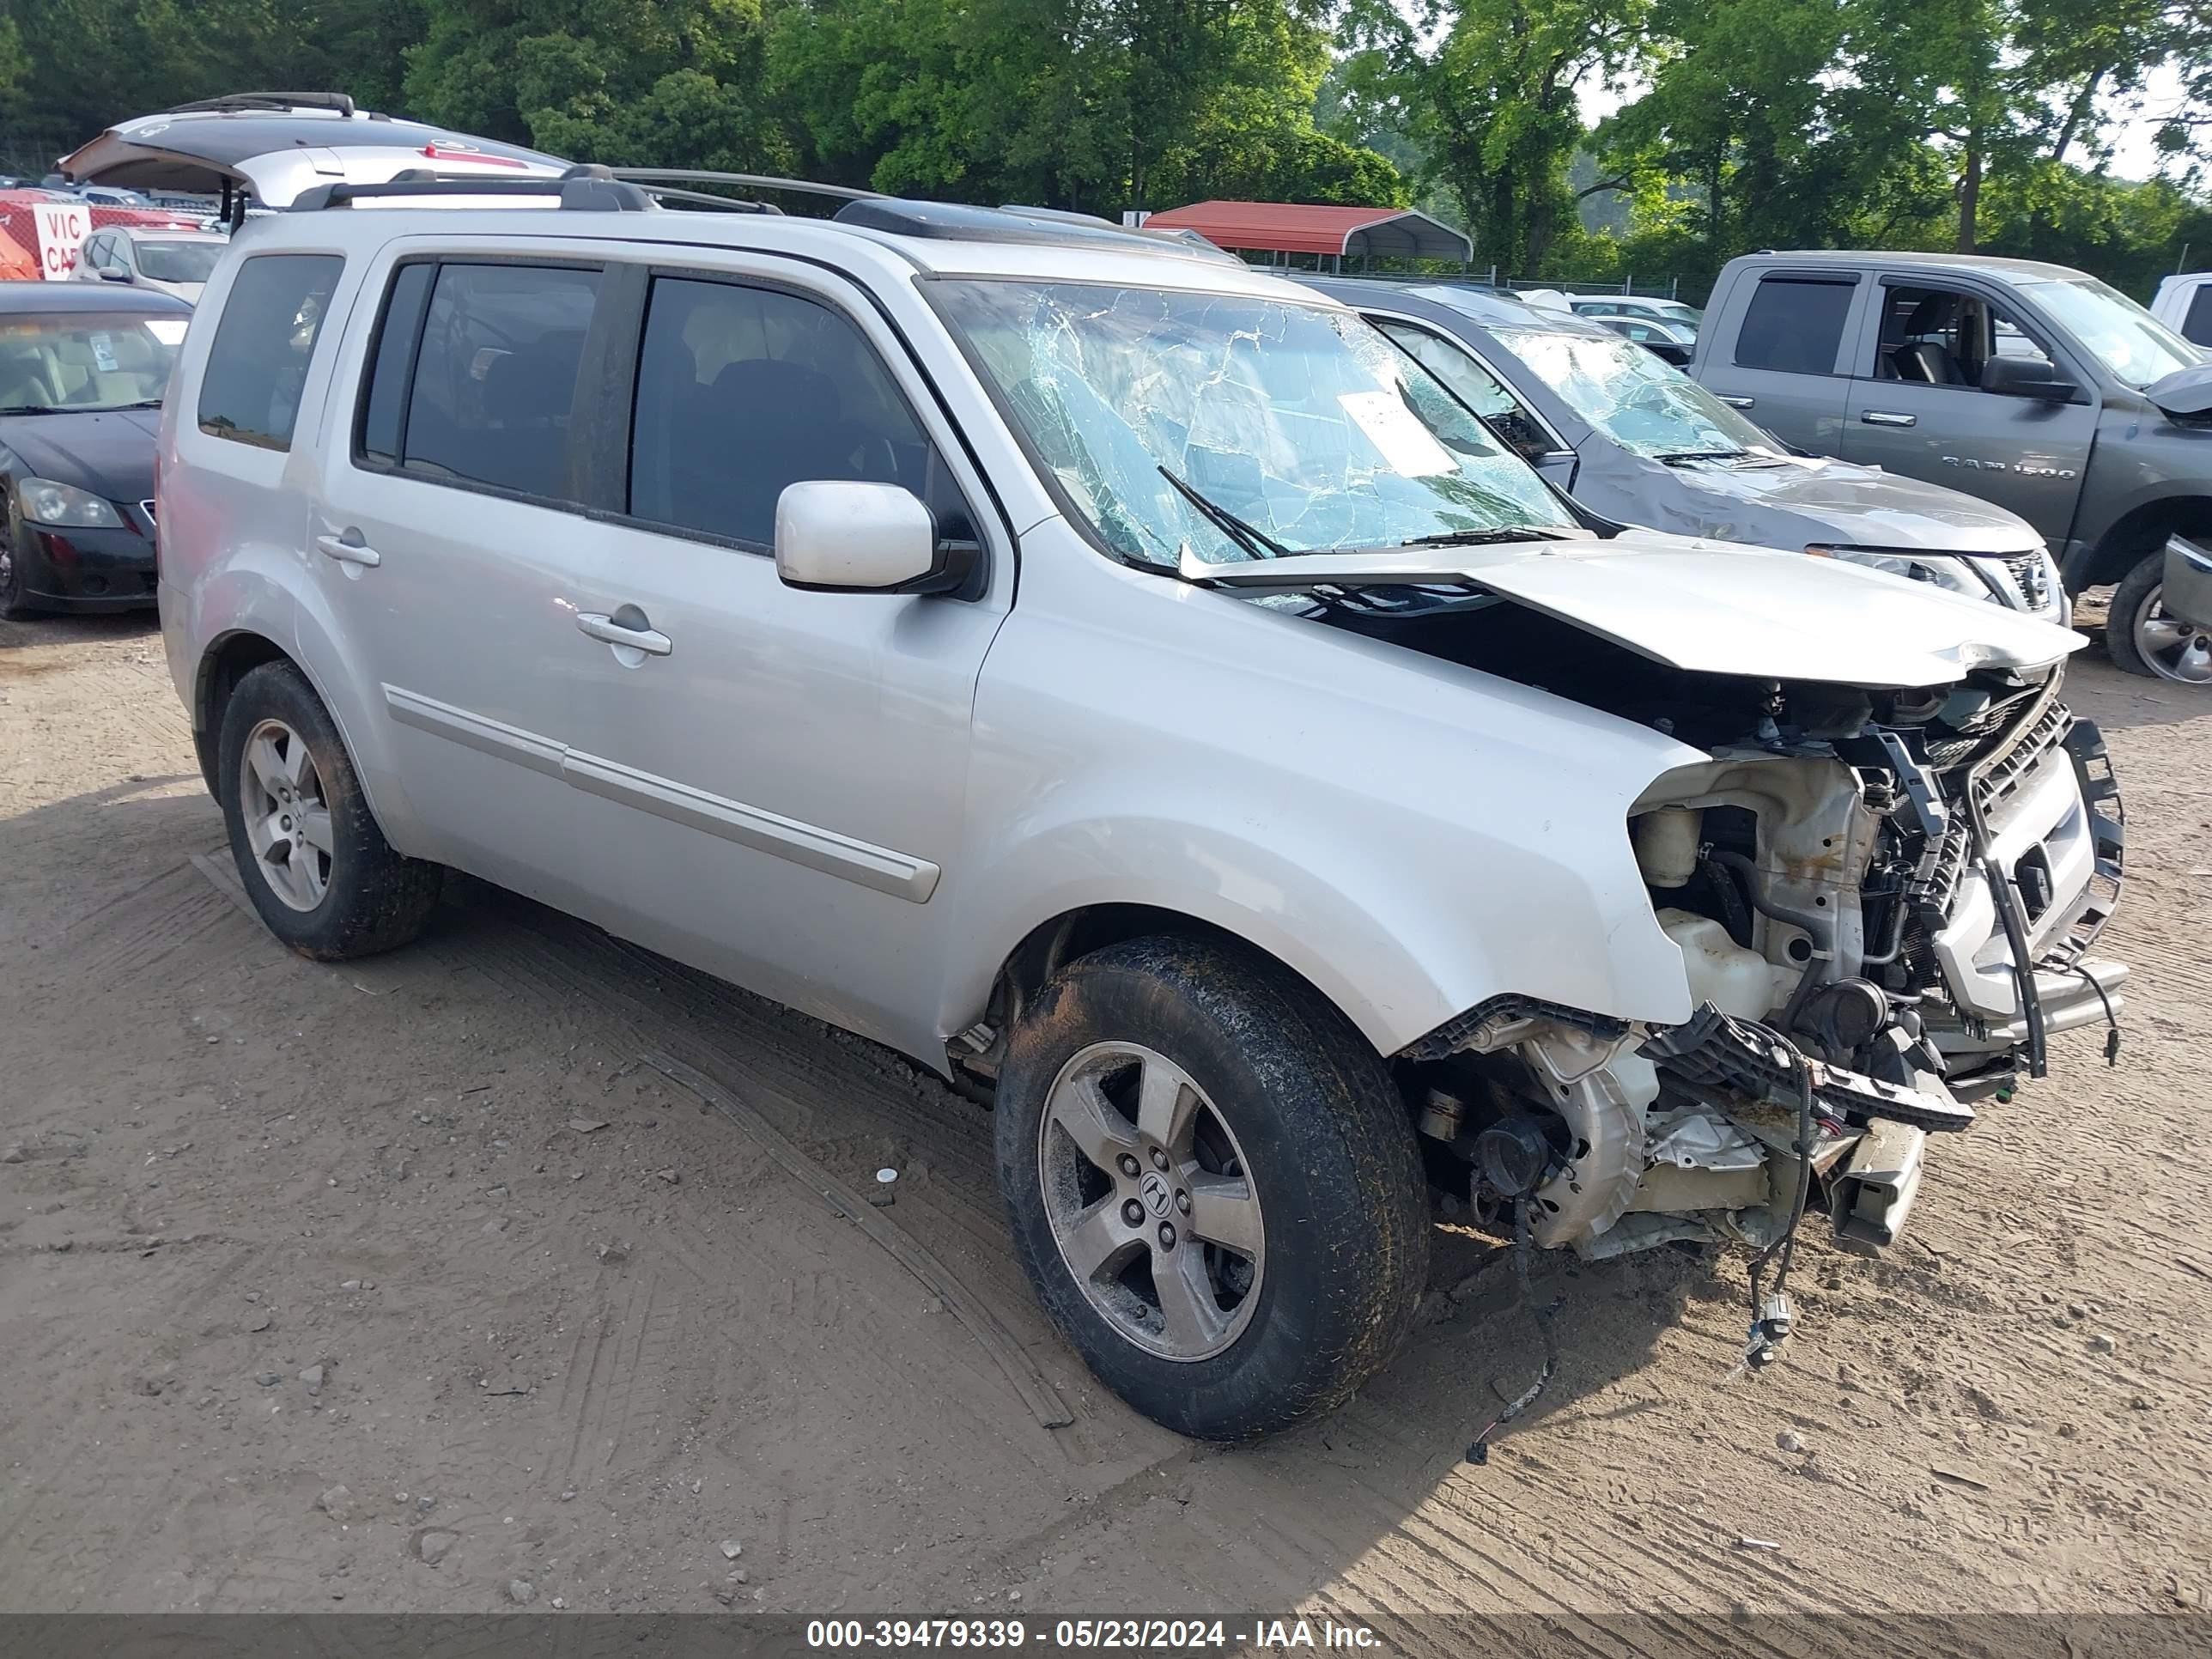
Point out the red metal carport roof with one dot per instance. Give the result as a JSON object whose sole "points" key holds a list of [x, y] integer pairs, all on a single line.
{"points": [[1297, 228]]}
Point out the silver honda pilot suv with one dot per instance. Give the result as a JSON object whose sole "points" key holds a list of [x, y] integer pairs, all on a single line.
{"points": [[1128, 684]]}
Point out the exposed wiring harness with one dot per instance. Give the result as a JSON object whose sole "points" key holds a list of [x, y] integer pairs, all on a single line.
{"points": [[1478, 1452], [2112, 1019], [1771, 1318]]}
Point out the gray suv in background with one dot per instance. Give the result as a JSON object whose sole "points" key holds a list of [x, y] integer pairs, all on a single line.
{"points": [[2032, 386], [1639, 441]]}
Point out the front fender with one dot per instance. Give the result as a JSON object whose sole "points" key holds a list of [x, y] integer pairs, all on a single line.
{"points": [[1411, 835]]}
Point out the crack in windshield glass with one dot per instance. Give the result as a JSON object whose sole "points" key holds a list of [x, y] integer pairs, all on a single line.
{"points": [[1645, 405], [1299, 421]]}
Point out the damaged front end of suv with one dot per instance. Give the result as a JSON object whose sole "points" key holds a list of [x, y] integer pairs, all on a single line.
{"points": [[1885, 898], [1685, 888]]}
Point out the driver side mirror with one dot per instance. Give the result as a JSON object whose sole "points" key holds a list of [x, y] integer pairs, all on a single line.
{"points": [[837, 536], [2023, 377], [113, 274]]}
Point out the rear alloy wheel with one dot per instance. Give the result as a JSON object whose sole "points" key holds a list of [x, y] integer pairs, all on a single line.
{"points": [[288, 823], [2144, 640], [315, 864], [1212, 1185]]}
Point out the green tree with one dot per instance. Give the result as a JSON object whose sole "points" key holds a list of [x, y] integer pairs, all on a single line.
{"points": [[646, 83], [1092, 104], [84, 65], [1488, 89]]}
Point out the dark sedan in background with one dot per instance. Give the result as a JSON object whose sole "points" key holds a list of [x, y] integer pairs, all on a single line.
{"points": [[81, 373]]}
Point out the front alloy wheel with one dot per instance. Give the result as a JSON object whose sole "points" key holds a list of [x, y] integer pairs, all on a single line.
{"points": [[1212, 1184], [1150, 1201]]}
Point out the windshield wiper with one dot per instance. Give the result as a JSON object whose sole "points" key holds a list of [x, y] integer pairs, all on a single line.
{"points": [[30, 408], [1525, 532], [1702, 455], [1254, 541]]}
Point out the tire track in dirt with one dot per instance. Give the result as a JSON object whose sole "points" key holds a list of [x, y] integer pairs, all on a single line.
{"points": [[127, 939]]}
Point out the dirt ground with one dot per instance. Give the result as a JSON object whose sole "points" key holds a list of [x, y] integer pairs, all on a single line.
{"points": [[584, 1332]]}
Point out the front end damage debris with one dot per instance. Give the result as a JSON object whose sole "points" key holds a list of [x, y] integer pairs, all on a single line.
{"points": [[1885, 903]]}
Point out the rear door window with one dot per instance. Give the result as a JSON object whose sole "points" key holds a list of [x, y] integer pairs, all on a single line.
{"points": [[494, 378], [398, 332], [743, 391], [1794, 324], [263, 343]]}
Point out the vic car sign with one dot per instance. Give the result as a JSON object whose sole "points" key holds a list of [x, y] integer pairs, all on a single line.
{"points": [[63, 227]]}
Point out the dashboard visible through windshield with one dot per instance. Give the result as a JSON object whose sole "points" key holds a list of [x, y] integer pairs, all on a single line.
{"points": [[80, 360]]}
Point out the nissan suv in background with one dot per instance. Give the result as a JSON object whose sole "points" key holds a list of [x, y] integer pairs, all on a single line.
{"points": [[1642, 443], [2033, 385], [171, 262], [1329, 808]]}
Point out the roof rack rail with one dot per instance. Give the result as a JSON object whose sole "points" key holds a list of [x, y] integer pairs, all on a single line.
{"points": [[231, 102], [956, 222], [752, 180], [581, 189], [707, 198]]}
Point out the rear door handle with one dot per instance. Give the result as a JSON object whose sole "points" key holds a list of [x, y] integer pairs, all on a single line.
{"points": [[1886, 417], [349, 552], [607, 629], [1739, 402]]}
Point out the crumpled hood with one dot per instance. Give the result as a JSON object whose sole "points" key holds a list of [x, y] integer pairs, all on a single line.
{"points": [[110, 452], [1840, 504], [1710, 607], [2186, 392]]}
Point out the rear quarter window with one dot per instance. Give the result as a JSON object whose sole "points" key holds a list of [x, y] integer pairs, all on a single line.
{"points": [[263, 343]]}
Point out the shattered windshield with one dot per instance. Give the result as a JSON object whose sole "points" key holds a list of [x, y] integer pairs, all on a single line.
{"points": [[1642, 405], [1149, 405]]}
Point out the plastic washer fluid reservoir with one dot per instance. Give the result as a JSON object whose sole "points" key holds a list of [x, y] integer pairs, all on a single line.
{"points": [[1733, 980]]}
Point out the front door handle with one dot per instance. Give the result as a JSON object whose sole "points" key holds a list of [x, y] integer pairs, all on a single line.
{"points": [[1886, 417], [1739, 402], [637, 636], [348, 548]]}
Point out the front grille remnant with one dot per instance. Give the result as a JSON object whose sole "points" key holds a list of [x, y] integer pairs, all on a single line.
{"points": [[1998, 781], [2031, 575]]}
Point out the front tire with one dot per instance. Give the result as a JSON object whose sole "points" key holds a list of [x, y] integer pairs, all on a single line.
{"points": [[1212, 1185], [319, 870], [2143, 640], [15, 606]]}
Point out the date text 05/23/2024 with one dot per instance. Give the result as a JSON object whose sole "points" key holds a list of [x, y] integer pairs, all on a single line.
{"points": [[1148, 1635]]}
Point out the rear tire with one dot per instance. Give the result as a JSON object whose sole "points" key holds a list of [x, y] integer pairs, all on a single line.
{"points": [[317, 870], [1167, 1090]]}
